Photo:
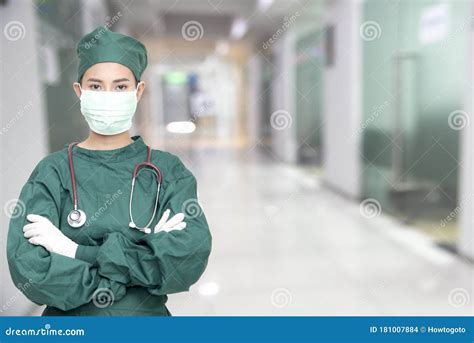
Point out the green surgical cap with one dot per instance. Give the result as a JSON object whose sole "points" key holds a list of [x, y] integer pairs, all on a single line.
{"points": [[103, 45]]}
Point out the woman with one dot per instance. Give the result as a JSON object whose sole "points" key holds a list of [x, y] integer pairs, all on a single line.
{"points": [[107, 266]]}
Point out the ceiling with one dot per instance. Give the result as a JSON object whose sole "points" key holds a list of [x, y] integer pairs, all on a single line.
{"points": [[167, 17]]}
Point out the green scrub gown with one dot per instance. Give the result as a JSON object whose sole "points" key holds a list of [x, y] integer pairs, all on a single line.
{"points": [[117, 270]]}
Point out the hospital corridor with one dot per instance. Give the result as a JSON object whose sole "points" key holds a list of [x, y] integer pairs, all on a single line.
{"points": [[331, 142]]}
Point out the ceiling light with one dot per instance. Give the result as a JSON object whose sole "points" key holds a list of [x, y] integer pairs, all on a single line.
{"points": [[239, 28], [181, 127], [263, 5]]}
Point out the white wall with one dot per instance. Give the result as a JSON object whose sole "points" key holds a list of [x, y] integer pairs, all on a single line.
{"points": [[23, 128], [466, 235], [284, 145], [342, 101], [254, 96]]}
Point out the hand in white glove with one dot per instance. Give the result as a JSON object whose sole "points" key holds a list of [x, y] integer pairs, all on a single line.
{"points": [[42, 232], [175, 223]]}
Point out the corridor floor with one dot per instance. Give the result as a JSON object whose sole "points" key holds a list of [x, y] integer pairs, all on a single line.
{"points": [[283, 244]]}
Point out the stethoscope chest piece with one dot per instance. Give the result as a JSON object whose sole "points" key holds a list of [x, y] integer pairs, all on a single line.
{"points": [[76, 218]]}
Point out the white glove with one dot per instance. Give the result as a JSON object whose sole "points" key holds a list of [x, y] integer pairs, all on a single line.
{"points": [[175, 223], [42, 232]]}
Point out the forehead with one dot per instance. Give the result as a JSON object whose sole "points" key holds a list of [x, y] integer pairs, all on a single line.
{"points": [[108, 71]]}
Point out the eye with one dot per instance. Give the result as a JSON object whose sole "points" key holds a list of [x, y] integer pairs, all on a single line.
{"points": [[122, 87], [94, 87]]}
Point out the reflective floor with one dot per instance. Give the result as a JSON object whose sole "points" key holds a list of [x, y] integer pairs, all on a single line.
{"points": [[283, 244]]}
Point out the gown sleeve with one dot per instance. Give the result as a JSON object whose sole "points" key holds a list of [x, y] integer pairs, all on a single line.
{"points": [[49, 278], [163, 262]]}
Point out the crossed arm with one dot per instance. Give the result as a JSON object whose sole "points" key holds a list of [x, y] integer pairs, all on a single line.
{"points": [[40, 231], [165, 262]]}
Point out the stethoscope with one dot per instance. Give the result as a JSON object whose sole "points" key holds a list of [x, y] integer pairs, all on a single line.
{"points": [[77, 217]]}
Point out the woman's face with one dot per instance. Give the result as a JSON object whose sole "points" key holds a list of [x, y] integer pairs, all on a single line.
{"points": [[109, 77]]}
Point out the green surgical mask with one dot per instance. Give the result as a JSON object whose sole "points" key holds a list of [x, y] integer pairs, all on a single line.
{"points": [[108, 113]]}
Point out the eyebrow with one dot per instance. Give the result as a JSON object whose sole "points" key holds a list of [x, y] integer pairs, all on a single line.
{"points": [[95, 80], [115, 81], [121, 80]]}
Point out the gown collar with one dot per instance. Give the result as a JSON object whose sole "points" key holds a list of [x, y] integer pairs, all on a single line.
{"points": [[129, 151]]}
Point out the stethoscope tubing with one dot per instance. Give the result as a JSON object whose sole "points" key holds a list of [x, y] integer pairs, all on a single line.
{"points": [[138, 167], [73, 174]]}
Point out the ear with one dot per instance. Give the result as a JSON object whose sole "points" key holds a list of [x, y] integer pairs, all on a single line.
{"points": [[140, 89], [77, 89]]}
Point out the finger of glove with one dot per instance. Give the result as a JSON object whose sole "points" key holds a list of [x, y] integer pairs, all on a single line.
{"points": [[37, 218], [175, 220], [32, 226], [36, 225], [163, 220], [45, 229], [38, 240], [180, 226], [34, 232]]}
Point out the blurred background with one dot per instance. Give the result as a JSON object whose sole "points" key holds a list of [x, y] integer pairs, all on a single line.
{"points": [[331, 141]]}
